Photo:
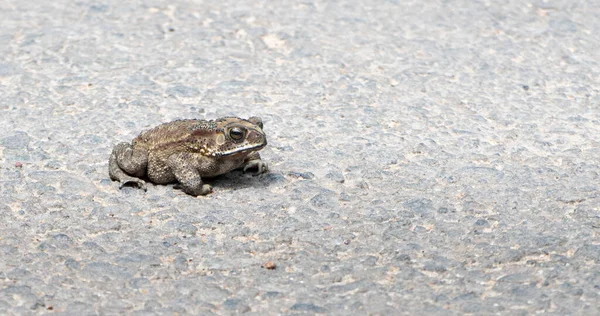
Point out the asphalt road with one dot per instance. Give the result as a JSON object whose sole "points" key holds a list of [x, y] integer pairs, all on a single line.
{"points": [[427, 157]]}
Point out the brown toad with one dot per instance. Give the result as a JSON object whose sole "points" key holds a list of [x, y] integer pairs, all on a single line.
{"points": [[187, 151]]}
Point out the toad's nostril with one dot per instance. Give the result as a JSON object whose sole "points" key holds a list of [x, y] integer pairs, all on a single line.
{"points": [[256, 138]]}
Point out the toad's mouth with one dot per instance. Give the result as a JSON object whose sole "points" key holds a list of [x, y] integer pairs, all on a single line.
{"points": [[242, 150]]}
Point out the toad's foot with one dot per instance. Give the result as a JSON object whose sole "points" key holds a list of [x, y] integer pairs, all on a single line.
{"points": [[133, 181], [259, 165], [195, 191]]}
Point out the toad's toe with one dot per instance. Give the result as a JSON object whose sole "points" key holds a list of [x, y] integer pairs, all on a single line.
{"points": [[259, 165], [134, 182]]}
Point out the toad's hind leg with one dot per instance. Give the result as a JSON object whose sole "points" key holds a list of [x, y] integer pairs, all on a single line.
{"points": [[187, 174], [126, 165], [132, 161]]}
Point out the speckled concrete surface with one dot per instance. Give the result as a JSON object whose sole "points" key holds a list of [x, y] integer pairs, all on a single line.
{"points": [[437, 157]]}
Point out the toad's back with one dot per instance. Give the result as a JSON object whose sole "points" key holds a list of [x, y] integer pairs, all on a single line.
{"points": [[172, 135]]}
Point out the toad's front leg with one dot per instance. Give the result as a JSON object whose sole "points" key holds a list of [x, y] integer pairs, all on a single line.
{"points": [[253, 161], [186, 172]]}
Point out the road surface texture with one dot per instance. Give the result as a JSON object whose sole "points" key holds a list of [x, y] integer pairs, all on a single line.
{"points": [[427, 157]]}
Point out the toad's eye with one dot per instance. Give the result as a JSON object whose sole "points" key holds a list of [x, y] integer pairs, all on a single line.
{"points": [[236, 133]]}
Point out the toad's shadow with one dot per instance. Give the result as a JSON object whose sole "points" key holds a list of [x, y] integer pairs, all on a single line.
{"points": [[233, 180], [238, 179]]}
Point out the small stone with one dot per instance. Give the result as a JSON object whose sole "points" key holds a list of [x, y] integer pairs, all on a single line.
{"points": [[510, 255], [19, 140], [308, 307], [434, 267], [509, 283], [482, 223], [344, 197], [301, 175], [62, 241], [420, 206], [402, 257], [589, 252], [336, 176], [273, 294], [181, 263], [237, 305], [273, 178], [55, 165], [270, 265], [443, 210], [325, 199], [138, 283], [187, 228], [72, 264]]}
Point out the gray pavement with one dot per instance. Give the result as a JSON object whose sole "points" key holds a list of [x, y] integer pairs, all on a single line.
{"points": [[427, 157]]}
